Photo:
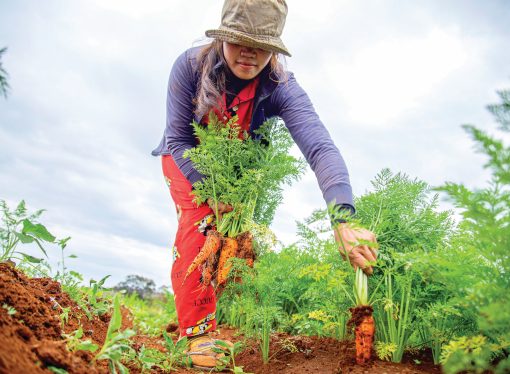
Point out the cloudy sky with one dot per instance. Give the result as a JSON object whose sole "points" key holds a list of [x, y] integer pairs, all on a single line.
{"points": [[392, 80]]}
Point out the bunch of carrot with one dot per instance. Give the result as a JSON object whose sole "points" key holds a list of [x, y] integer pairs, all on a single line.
{"points": [[244, 171], [215, 255]]}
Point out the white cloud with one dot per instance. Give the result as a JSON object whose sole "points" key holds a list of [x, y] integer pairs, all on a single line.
{"points": [[384, 81]]}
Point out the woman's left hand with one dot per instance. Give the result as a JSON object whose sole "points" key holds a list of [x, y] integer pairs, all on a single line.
{"points": [[353, 244], [219, 208]]}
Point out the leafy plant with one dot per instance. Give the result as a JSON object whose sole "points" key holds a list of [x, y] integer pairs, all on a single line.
{"points": [[19, 226], [57, 370], [436, 327], [394, 317], [10, 309], [66, 278], [116, 343], [466, 354], [149, 358], [228, 352], [75, 343], [151, 316], [481, 283], [96, 303], [385, 350], [176, 353], [244, 172]]}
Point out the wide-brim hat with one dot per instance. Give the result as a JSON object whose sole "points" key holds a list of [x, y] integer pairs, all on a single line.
{"points": [[253, 23]]}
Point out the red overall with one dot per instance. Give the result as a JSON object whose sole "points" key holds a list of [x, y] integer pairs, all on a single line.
{"points": [[196, 304]]}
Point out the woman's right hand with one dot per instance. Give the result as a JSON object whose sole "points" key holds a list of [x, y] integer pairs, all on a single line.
{"points": [[219, 208]]}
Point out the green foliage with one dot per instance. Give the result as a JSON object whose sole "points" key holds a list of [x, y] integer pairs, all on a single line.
{"points": [[393, 317], [385, 350], [300, 286], [466, 354], [176, 353], [149, 358], [75, 343], [92, 299], [481, 283], [228, 359], [116, 344], [437, 325], [151, 316], [410, 232], [244, 172], [66, 278], [403, 217], [175, 357], [57, 370], [19, 226], [10, 309]]}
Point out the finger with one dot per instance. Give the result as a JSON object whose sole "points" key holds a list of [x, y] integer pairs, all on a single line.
{"points": [[367, 253], [368, 270], [373, 251], [342, 253], [362, 257], [358, 260]]}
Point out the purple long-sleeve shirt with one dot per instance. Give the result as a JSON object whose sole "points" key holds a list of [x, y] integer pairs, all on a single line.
{"points": [[284, 99]]}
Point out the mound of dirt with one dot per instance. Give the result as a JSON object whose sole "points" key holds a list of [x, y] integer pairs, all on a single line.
{"points": [[30, 328]]}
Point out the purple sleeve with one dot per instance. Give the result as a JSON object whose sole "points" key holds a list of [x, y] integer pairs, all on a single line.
{"points": [[314, 141], [179, 115]]}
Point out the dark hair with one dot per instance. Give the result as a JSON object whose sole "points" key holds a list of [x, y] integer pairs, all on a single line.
{"points": [[212, 81]]}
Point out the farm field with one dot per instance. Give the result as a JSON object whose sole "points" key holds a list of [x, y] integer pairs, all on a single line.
{"points": [[438, 296], [37, 342]]}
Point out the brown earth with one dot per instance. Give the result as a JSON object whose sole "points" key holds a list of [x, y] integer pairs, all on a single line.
{"points": [[304, 354], [31, 339]]}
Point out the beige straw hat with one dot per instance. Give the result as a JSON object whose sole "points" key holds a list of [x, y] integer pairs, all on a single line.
{"points": [[253, 23]]}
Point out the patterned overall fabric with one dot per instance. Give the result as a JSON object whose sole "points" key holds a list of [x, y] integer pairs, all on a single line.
{"points": [[196, 304]]}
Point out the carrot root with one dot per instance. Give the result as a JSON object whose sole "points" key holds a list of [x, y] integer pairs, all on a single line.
{"points": [[245, 241], [228, 250], [361, 318], [211, 246]]}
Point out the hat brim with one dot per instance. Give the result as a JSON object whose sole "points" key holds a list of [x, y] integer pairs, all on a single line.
{"points": [[267, 43]]}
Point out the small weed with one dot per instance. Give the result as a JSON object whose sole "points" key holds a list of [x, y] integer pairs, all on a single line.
{"points": [[176, 352], [57, 370], [116, 344], [10, 310], [74, 342], [230, 352]]}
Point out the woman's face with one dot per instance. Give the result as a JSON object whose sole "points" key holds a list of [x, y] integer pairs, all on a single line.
{"points": [[245, 62]]}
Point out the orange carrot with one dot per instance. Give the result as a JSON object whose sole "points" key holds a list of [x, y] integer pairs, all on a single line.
{"points": [[361, 318], [210, 268], [245, 241], [228, 251], [212, 245], [206, 277], [364, 339]]}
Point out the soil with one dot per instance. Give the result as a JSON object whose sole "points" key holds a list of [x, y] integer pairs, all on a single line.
{"points": [[31, 339], [310, 354]]}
